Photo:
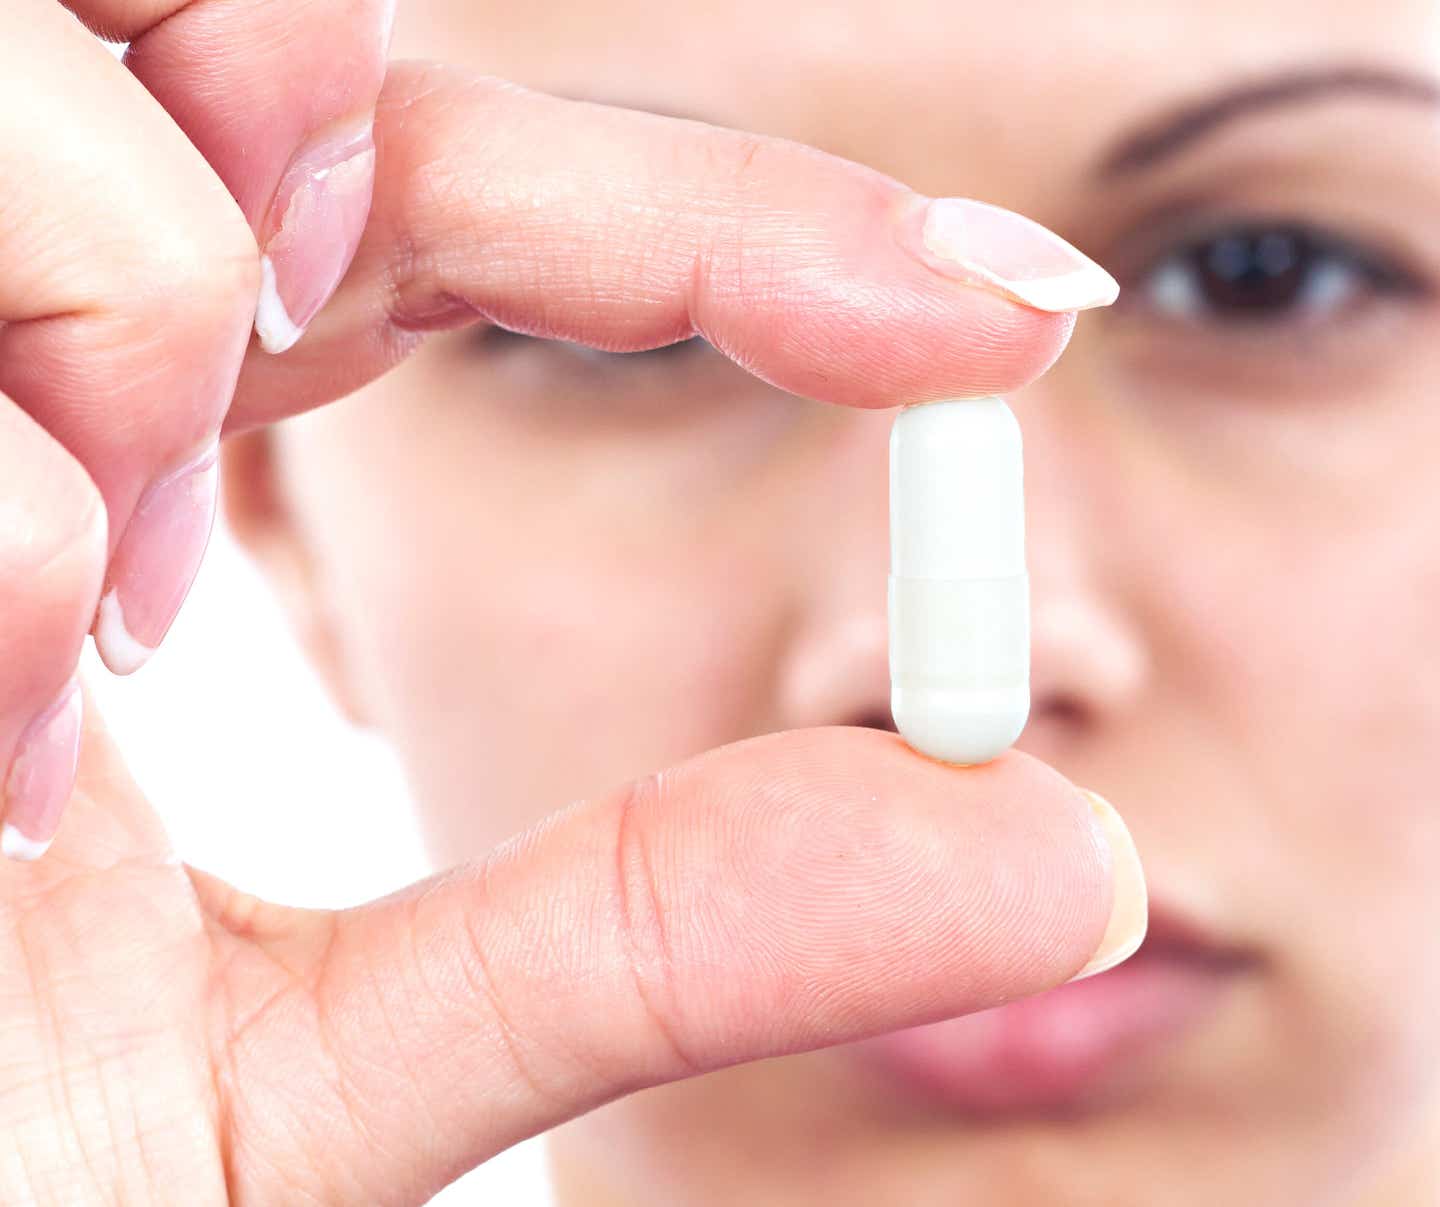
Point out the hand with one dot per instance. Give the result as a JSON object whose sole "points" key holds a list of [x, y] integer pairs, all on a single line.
{"points": [[163, 1036]]}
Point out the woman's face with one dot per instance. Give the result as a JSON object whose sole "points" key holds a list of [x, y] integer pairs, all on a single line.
{"points": [[543, 570]]}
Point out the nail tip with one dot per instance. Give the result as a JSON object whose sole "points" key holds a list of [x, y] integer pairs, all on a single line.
{"points": [[1087, 286], [1130, 912], [15, 845], [276, 330], [1111, 959], [1085, 289], [121, 653]]}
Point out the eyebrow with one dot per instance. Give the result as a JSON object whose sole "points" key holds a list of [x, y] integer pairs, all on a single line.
{"points": [[1195, 120]]}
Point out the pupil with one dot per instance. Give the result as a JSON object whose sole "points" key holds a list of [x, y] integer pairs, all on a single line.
{"points": [[1253, 270]]}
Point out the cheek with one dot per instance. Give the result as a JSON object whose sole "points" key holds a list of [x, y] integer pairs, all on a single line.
{"points": [[1356, 627], [628, 657], [1290, 574], [1323, 623], [1307, 630], [527, 634], [1297, 636]]}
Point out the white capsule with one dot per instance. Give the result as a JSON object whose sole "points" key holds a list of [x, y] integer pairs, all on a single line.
{"points": [[959, 595]]}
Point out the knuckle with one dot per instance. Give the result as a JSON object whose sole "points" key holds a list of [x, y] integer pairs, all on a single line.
{"points": [[52, 562], [425, 113], [203, 276], [746, 156], [644, 925], [490, 997], [60, 541], [750, 238]]}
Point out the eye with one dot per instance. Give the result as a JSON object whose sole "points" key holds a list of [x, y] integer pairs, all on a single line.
{"points": [[1271, 272]]}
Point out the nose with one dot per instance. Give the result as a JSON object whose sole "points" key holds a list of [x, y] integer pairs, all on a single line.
{"points": [[835, 667], [1088, 655]]}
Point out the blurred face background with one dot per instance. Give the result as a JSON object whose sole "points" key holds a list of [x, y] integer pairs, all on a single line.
{"points": [[542, 569]]}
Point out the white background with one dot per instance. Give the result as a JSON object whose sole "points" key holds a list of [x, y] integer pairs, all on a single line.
{"points": [[262, 783]]}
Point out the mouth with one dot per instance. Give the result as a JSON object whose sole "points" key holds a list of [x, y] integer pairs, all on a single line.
{"points": [[1070, 1047]]}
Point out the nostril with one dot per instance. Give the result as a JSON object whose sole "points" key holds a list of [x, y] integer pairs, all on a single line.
{"points": [[1088, 662], [1059, 709]]}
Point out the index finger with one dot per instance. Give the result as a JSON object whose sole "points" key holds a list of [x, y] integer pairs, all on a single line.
{"points": [[627, 230]]}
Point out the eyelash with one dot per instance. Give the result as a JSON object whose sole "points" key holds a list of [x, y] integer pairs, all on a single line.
{"points": [[498, 339], [1293, 272]]}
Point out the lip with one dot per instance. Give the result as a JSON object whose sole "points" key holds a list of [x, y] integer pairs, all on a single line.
{"points": [[1072, 1046]]}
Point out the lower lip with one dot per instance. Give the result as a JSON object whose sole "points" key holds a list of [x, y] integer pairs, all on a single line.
{"points": [[1059, 1050]]}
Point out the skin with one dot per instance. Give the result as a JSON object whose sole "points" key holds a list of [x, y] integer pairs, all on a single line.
{"points": [[673, 926], [659, 930], [577, 567]]}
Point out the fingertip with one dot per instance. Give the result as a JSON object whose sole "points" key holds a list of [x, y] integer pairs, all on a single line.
{"points": [[993, 248], [121, 653], [41, 776], [14, 845], [1130, 909], [275, 329], [156, 561], [990, 874], [313, 229], [862, 313]]}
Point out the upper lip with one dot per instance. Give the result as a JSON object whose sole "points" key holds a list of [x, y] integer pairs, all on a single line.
{"points": [[1172, 932]]}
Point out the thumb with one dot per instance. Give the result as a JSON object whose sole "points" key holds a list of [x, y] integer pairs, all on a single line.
{"points": [[787, 893]]}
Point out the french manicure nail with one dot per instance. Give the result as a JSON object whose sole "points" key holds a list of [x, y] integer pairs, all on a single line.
{"points": [[155, 563], [1129, 914], [312, 231], [41, 776], [1000, 250]]}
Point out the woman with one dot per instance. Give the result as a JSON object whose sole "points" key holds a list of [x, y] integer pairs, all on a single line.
{"points": [[547, 566]]}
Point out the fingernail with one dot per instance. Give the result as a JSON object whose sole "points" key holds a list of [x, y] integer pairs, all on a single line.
{"points": [[42, 774], [156, 562], [1130, 912], [312, 231], [1000, 250]]}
